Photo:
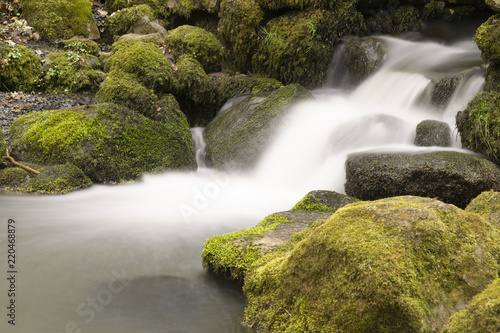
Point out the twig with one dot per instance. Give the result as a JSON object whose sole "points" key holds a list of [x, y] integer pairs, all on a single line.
{"points": [[25, 167]]}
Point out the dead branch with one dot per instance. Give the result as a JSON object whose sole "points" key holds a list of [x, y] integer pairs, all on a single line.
{"points": [[25, 167]]}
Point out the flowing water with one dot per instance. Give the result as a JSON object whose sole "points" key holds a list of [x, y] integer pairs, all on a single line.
{"points": [[126, 258]]}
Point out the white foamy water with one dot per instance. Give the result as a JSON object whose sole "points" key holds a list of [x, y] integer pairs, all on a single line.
{"points": [[126, 258]]}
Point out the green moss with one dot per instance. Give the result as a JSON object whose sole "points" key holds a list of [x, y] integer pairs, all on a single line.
{"points": [[297, 47], [479, 125], [61, 18], [364, 56], [237, 85], [186, 7], [20, 69], [196, 91], [432, 133], [481, 315], [295, 4], [13, 177], [240, 25], [157, 5], [146, 61], [121, 21], [68, 72], [108, 142], [492, 82], [402, 264], [486, 39], [323, 201], [200, 44], [81, 46], [487, 204], [3, 145], [407, 18], [231, 255]]}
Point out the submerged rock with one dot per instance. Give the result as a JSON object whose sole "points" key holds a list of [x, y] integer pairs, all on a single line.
{"points": [[109, 143], [237, 137], [403, 264], [452, 177], [433, 133]]}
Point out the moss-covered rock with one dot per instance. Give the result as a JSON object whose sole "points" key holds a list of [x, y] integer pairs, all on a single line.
{"points": [[276, 5], [237, 137], [443, 89], [69, 72], [106, 141], [81, 46], [492, 81], [229, 86], [20, 68], [407, 18], [452, 177], [479, 125], [120, 4], [364, 56], [323, 201], [494, 5], [239, 25], [402, 264], [3, 144], [432, 133], [185, 8], [200, 44], [121, 21], [61, 18], [230, 255], [144, 60], [196, 91], [487, 204], [297, 47], [55, 179], [486, 39], [481, 315]]}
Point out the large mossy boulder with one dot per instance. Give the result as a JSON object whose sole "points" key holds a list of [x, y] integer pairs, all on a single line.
{"points": [[323, 201], [432, 133], [109, 143], [145, 60], [403, 264], [81, 46], [486, 39], [199, 43], [481, 315], [237, 137], [449, 176], [122, 21], [487, 204], [56, 19], [494, 5], [54, 179], [479, 125], [297, 47], [70, 72], [20, 69], [363, 56]]}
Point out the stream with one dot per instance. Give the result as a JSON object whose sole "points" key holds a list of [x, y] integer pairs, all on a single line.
{"points": [[127, 258]]}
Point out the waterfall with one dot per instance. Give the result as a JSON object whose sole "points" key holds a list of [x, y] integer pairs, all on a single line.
{"points": [[199, 147], [126, 258]]}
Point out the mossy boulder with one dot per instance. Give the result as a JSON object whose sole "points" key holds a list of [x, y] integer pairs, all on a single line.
{"points": [[69, 72], [494, 5], [323, 201], [239, 24], [146, 61], [3, 144], [442, 89], [486, 39], [481, 315], [407, 18], [199, 43], [276, 5], [403, 264], [479, 125], [81, 46], [432, 133], [229, 86], [230, 255], [185, 8], [106, 141], [196, 92], [121, 21], [237, 137], [120, 4], [56, 19], [363, 56], [297, 47], [452, 177], [20, 68], [54, 179], [487, 204], [492, 81]]}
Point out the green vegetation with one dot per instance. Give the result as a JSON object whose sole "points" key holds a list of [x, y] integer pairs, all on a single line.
{"points": [[106, 141], [402, 264], [236, 85], [200, 44], [487, 204], [407, 18], [121, 21], [81, 46], [20, 69], [486, 39], [69, 72], [61, 18], [323, 201]]}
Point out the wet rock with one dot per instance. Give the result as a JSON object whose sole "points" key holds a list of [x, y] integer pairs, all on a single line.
{"points": [[403, 264], [237, 137], [452, 177], [433, 133], [323, 201], [364, 56]]}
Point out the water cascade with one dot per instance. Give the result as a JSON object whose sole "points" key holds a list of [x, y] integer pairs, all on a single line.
{"points": [[126, 258]]}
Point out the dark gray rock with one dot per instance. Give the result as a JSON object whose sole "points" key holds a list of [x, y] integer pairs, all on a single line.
{"points": [[433, 133], [451, 177], [363, 56]]}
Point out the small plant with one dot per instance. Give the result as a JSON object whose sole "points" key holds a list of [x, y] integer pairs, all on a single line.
{"points": [[268, 36]]}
